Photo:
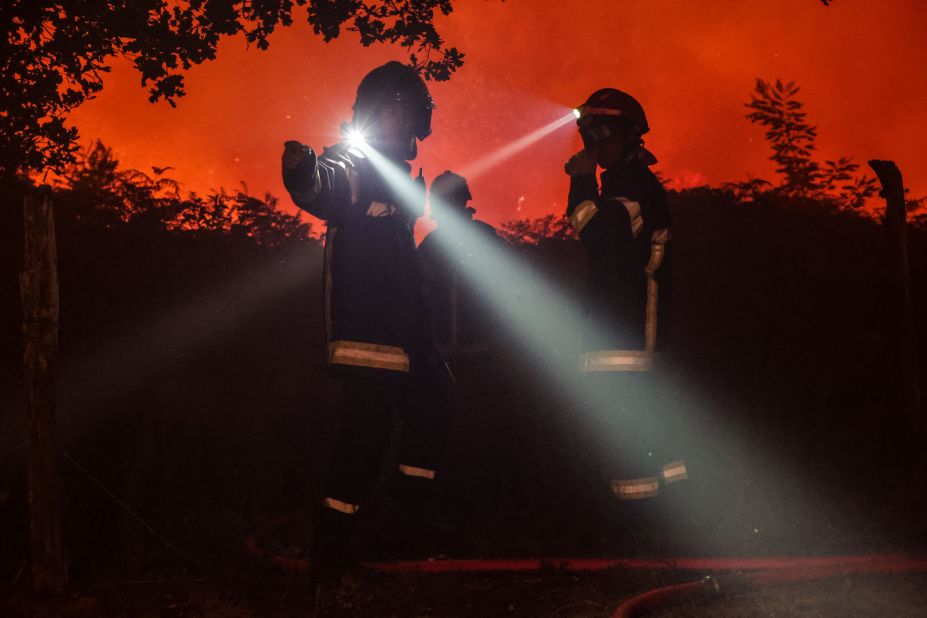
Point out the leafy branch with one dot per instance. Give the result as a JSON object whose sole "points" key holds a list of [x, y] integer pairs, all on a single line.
{"points": [[775, 106], [56, 53]]}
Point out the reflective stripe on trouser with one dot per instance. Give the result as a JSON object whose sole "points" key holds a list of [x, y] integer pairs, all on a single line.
{"points": [[616, 360], [341, 506], [373, 355], [624, 428], [636, 489], [371, 404], [674, 471], [422, 473]]}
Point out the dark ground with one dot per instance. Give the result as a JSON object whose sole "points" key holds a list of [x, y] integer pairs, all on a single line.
{"points": [[530, 595]]}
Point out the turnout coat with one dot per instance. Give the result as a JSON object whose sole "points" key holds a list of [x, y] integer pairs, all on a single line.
{"points": [[374, 292], [625, 229]]}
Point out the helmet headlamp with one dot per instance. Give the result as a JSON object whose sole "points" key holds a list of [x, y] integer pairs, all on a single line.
{"points": [[355, 137]]}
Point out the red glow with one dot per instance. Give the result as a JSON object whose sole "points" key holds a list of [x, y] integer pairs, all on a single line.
{"points": [[691, 63]]}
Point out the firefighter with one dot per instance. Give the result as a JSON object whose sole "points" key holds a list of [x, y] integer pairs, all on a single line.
{"points": [[379, 342], [461, 324], [624, 224]]}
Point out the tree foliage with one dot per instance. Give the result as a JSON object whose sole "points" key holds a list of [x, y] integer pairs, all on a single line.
{"points": [[775, 106], [533, 231], [98, 193], [56, 51]]}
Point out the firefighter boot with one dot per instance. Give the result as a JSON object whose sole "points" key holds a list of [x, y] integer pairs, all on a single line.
{"points": [[681, 510], [332, 552], [414, 531], [637, 530]]}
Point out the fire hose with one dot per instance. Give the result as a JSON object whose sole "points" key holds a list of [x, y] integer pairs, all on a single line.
{"points": [[726, 575]]}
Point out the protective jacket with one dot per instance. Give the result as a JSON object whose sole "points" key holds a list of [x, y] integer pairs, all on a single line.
{"points": [[375, 307], [625, 229], [459, 314]]}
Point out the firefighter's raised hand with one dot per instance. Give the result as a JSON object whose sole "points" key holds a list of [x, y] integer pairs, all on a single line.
{"points": [[295, 154], [583, 162]]}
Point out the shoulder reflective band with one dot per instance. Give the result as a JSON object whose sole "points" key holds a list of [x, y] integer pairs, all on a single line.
{"points": [[636, 489], [360, 354], [350, 173], [634, 215], [379, 209], [674, 471], [616, 360], [583, 215], [422, 473], [657, 251], [341, 507]]}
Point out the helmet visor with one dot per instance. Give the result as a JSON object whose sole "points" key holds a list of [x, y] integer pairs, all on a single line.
{"points": [[595, 131]]}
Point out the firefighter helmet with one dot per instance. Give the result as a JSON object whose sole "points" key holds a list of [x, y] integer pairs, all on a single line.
{"points": [[621, 106], [394, 84], [449, 192], [451, 186]]}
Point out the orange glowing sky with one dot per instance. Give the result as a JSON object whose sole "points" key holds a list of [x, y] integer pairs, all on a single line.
{"points": [[862, 66]]}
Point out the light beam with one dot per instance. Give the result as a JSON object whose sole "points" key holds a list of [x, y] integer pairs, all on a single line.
{"points": [[493, 159], [548, 324]]}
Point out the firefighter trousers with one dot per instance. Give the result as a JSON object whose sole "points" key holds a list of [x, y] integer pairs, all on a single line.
{"points": [[370, 408], [629, 433]]}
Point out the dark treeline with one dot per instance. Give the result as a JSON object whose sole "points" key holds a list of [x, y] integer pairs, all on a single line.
{"points": [[192, 379]]}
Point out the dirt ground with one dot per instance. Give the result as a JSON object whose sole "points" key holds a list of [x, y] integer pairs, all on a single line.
{"points": [[550, 594]]}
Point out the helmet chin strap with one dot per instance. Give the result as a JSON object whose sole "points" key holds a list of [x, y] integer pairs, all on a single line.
{"points": [[405, 150], [629, 153], [631, 146]]}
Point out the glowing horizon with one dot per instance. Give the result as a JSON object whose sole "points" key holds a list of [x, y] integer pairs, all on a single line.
{"points": [[520, 57]]}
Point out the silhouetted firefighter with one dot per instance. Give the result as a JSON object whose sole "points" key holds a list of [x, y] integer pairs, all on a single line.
{"points": [[461, 323], [625, 227], [379, 345]]}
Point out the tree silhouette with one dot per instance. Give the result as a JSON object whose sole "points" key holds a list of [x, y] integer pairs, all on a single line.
{"points": [[774, 106], [56, 51], [533, 231], [102, 195]]}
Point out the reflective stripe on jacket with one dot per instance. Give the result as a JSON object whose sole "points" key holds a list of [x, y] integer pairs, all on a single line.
{"points": [[374, 299], [625, 229]]}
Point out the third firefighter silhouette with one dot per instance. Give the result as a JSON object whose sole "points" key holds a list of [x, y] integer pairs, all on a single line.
{"points": [[461, 321]]}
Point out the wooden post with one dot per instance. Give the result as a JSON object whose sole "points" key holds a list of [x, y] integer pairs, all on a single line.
{"points": [[893, 192], [38, 285]]}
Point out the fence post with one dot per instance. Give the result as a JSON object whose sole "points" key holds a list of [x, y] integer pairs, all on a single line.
{"points": [[893, 191], [38, 286]]}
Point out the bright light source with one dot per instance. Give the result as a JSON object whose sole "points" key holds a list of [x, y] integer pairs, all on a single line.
{"points": [[576, 113], [356, 138]]}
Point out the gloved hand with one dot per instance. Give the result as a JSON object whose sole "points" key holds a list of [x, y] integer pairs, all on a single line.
{"points": [[583, 162], [296, 154], [298, 163]]}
